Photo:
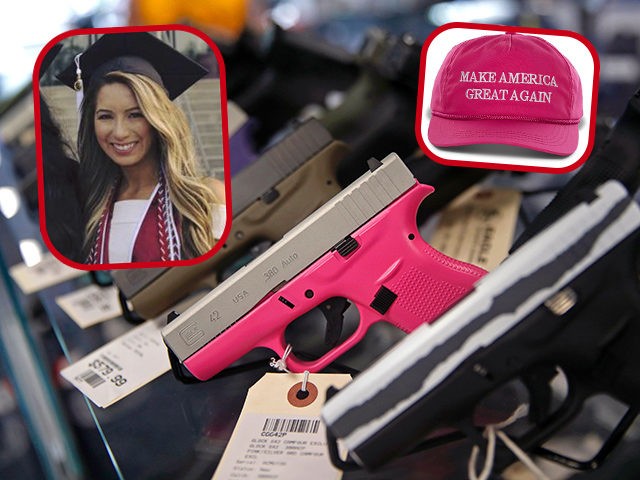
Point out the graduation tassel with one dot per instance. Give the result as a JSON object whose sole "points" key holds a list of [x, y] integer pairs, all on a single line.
{"points": [[77, 85]]}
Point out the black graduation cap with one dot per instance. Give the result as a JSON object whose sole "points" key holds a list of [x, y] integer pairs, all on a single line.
{"points": [[134, 52]]}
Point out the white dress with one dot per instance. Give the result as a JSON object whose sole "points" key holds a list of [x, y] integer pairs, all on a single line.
{"points": [[125, 223]]}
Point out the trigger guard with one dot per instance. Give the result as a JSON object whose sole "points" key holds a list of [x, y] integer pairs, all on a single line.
{"points": [[536, 436], [335, 353]]}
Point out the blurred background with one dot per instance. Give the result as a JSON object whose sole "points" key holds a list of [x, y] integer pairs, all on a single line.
{"points": [[283, 59], [611, 25]]}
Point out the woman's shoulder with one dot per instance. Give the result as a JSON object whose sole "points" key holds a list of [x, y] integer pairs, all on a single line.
{"points": [[217, 187]]}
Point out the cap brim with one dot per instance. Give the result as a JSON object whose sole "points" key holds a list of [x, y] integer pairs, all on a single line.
{"points": [[553, 138]]}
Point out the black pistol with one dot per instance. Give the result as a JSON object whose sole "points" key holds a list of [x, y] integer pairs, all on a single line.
{"points": [[566, 300]]}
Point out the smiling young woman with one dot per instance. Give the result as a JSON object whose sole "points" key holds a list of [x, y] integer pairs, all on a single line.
{"points": [[122, 130], [143, 196], [135, 146]]}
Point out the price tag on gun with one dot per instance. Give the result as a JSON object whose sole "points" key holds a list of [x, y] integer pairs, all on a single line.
{"points": [[279, 434], [121, 366]]}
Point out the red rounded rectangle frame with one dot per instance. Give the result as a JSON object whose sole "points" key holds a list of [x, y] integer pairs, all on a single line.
{"points": [[162, 225], [481, 115]]}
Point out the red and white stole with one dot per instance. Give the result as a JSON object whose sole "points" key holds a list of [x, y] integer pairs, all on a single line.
{"points": [[157, 237]]}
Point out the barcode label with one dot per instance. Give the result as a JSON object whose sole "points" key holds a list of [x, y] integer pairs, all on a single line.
{"points": [[278, 438], [291, 425], [92, 378]]}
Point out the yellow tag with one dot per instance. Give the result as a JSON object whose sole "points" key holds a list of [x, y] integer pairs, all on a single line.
{"points": [[518, 471], [279, 434], [478, 226]]}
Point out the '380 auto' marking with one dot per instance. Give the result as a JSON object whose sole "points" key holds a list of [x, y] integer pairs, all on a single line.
{"points": [[284, 263]]}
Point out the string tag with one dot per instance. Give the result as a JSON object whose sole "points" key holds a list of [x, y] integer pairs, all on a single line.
{"points": [[279, 433], [281, 363], [491, 432]]}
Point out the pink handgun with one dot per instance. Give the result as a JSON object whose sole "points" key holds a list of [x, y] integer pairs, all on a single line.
{"points": [[384, 267]]}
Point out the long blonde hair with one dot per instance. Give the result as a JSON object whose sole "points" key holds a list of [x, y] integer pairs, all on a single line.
{"points": [[189, 194]]}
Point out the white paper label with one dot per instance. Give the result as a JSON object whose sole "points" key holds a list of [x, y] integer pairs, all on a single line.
{"points": [[127, 363], [49, 271], [91, 305], [121, 366], [278, 437]]}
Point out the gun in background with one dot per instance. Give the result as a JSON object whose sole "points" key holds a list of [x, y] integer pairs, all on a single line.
{"points": [[363, 244], [275, 74], [376, 87], [544, 306], [378, 109], [271, 195]]}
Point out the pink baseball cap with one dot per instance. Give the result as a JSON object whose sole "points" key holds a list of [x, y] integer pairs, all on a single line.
{"points": [[509, 89]]}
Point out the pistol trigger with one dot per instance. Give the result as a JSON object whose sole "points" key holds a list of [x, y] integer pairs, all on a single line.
{"points": [[538, 384], [333, 311]]}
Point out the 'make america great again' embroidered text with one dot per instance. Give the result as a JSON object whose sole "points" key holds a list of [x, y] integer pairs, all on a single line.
{"points": [[503, 94], [509, 77]]}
